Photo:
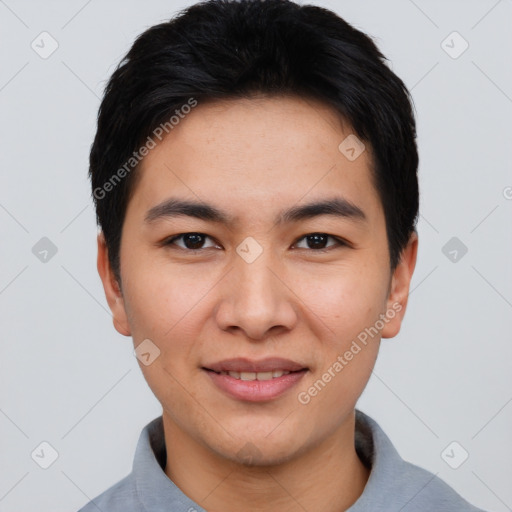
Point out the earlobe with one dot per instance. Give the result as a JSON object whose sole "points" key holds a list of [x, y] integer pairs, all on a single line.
{"points": [[399, 289], [112, 289]]}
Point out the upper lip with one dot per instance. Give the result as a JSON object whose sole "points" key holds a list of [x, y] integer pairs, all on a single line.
{"points": [[246, 365]]}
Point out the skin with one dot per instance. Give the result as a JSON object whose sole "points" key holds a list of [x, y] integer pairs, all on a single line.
{"points": [[253, 158]]}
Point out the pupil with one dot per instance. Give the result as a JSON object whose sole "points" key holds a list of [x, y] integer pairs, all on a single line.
{"points": [[318, 241], [195, 239]]}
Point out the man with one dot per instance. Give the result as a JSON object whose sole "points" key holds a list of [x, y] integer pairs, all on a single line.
{"points": [[255, 179]]}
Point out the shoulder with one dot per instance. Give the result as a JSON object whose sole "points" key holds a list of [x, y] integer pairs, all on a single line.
{"points": [[425, 491], [396, 484], [121, 497]]}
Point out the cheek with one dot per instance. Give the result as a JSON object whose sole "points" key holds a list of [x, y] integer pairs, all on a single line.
{"points": [[349, 307], [161, 302], [167, 309], [346, 300], [171, 309]]}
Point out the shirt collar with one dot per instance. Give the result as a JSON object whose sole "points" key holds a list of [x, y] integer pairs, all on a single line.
{"points": [[157, 492]]}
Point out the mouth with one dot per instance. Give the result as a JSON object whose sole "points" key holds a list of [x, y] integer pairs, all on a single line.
{"points": [[269, 365], [251, 376], [255, 381]]}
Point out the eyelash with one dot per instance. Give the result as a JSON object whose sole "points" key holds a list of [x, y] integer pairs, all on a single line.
{"points": [[339, 242]]}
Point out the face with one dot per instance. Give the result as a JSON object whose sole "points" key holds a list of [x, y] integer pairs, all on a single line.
{"points": [[256, 295]]}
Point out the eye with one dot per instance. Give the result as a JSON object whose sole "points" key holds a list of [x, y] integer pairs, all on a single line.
{"points": [[191, 241], [195, 242], [318, 241]]}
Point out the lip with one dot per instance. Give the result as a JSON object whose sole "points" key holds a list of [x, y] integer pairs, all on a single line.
{"points": [[255, 390], [241, 364]]}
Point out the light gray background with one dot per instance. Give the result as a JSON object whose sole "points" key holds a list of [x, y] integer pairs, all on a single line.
{"points": [[69, 379]]}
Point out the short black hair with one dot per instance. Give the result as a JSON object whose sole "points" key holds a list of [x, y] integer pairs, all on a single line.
{"points": [[229, 49]]}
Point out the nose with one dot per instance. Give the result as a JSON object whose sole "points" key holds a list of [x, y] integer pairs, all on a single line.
{"points": [[256, 299]]}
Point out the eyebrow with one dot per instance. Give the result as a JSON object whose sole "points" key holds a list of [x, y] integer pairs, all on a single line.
{"points": [[336, 206]]}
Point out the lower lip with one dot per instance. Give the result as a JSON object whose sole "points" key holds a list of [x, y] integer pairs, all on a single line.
{"points": [[256, 390]]}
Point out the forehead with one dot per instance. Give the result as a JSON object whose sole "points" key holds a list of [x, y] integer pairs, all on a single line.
{"points": [[255, 155]]}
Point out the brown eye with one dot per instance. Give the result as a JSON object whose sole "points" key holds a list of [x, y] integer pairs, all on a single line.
{"points": [[318, 241], [190, 241]]}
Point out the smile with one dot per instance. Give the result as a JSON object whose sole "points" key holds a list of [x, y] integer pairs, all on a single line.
{"points": [[255, 386], [249, 376]]}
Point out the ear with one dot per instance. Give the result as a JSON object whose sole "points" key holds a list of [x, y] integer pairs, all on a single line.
{"points": [[399, 288], [112, 289]]}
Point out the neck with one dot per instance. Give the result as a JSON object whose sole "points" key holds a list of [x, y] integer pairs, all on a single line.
{"points": [[329, 477]]}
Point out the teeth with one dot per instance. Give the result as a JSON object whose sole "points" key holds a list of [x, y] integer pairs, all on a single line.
{"points": [[256, 375], [264, 375]]}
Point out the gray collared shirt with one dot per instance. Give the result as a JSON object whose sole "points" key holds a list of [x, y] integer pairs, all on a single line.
{"points": [[394, 484]]}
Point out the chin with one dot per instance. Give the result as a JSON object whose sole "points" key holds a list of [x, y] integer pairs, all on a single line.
{"points": [[261, 450]]}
